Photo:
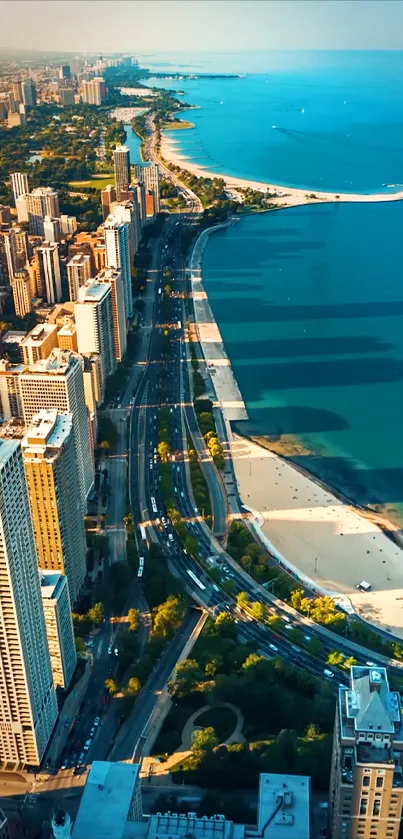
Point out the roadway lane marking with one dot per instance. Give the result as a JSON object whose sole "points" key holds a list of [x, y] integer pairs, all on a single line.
{"points": [[100, 646]]}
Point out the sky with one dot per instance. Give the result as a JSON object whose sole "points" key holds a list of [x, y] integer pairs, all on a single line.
{"points": [[200, 25]]}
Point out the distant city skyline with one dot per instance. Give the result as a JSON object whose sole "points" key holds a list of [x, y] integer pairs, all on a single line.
{"points": [[171, 25]]}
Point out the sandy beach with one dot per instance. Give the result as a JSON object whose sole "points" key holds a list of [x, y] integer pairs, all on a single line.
{"points": [[323, 538], [292, 197]]}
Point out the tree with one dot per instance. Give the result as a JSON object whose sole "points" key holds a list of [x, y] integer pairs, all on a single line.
{"points": [[204, 740], [259, 611], [133, 686], [81, 649], [134, 619], [112, 686], [335, 658], [163, 451], [242, 600], [96, 614], [188, 676], [167, 617]]}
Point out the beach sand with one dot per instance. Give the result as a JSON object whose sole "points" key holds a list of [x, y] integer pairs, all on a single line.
{"points": [[327, 540], [293, 197]]}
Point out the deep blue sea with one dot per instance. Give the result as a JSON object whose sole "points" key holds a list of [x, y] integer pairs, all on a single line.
{"points": [[133, 142], [310, 300]]}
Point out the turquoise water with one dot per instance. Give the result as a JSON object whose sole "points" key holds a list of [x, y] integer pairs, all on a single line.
{"points": [[133, 142], [309, 302], [338, 118]]}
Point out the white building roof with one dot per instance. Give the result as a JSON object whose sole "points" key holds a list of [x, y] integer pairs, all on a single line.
{"points": [[283, 810], [106, 800]]}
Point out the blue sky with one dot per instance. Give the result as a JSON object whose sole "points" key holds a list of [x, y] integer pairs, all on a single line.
{"points": [[201, 25]]}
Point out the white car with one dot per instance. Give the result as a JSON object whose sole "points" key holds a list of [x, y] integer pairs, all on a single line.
{"points": [[110, 648], [87, 745], [273, 647]]}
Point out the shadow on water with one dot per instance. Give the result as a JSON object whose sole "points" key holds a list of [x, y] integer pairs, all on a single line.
{"points": [[291, 419], [247, 311], [315, 374], [297, 347]]}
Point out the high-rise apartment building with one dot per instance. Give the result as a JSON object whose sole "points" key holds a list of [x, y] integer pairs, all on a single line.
{"points": [[21, 288], [19, 184], [22, 209], [148, 174], [28, 708], [126, 211], [68, 224], [59, 627], [94, 323], [108, 197], [57, 382], [10, 399], [64, 72], [114, 279], [51, 472], [29, 93], [121, 163], [94, 91], [39, 343], [49, 269], [366, 785], [117, 252], [52, 230], [67, 96], [140, 192], [67, 336], [78, 272], [41, 202], [94, 382], [93, 244], [17, 92]]}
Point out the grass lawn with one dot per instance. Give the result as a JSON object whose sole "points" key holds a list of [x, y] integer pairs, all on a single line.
{"points": [[98, 181], [223, 720]]}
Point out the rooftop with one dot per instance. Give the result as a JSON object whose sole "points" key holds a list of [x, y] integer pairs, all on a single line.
{"points": [[13, 429], [13, 336], [369, 705], [58, 363], [49, 429], [51, 584], [106, 800], [78, 259], [284, 805], [92, 292], [68, 328], [10, 367], [38, 334]]}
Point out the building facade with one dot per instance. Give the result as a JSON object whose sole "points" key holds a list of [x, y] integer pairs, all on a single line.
{"points": [[10, 399], [108, 197], [117, 253], [148, 174], [114, 279], [78, 272], [49, 269], [39, 343], [28, 708], [59, 627], [366, 785], [94, 323], [57, 382], [41, 202], [121, 163], [50, 469], [19, 184], [21, 287]]}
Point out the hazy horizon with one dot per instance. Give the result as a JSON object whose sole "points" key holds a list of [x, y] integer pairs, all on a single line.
{"points": [[221, 26]]}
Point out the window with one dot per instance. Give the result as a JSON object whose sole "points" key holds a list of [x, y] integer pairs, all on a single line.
{"points": [[363, 806], [365, 781], [376, 808], [379, 782]]}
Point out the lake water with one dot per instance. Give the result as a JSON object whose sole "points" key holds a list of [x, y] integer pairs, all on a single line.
{"points": [[310, 300], [133, 142]]}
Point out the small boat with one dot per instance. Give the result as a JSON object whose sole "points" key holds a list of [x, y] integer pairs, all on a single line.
{"points": [[274, 126], [303, 111]]}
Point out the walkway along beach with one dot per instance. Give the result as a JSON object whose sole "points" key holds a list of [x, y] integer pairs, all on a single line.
{"points": [[331, 545]]}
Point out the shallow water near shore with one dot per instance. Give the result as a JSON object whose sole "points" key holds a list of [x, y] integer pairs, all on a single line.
{"points": [[309, 302]]}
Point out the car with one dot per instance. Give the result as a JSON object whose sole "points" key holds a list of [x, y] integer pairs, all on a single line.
{"points": [[164, 521], [131, 401], [284, 618], [288, 626], [65, 764], [116, 651], [370, 664], [273, 647], [81, 758], [307, 637], [170, 537], [110, 649], [92, 732], [89, 643], [328, 673], [97, 721], [87, 745]]}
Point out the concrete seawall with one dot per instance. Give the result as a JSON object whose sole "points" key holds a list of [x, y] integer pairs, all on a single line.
{"points": [[211, 342]]}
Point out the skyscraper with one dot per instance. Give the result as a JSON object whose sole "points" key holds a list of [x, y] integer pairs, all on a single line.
{"points": [[19, 184], [10, 399], [108, 196], [114, 279], [94, 323], [57, 382], [17, 92], [41, 202], [148, 174], [29, 93], [121, 163], [59, 627], [126, 211], [50, 469], [117, 251], [64, 72], [94, 91], [49, 268], [52, 229], [39, 343], [78, 272], [28, 709], [21, 287], [140, 190], [366, 784]]}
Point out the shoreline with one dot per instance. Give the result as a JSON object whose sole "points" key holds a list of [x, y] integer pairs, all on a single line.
{"points": [[300, 529], [288, 196]]}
